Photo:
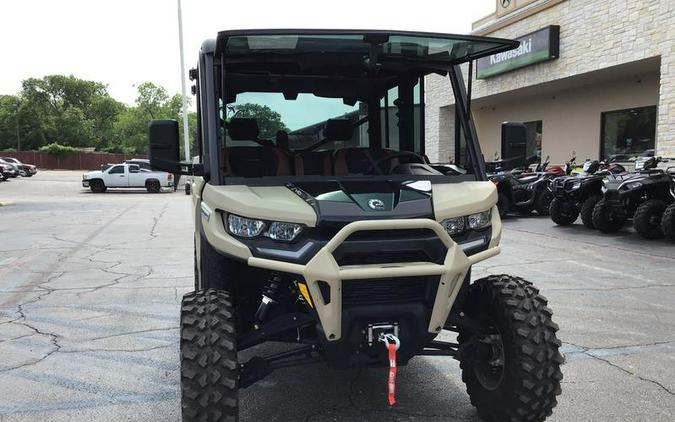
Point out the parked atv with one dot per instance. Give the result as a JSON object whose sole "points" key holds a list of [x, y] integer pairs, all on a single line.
{"points": [[643, 195], [347, 245], [524, 191], [578, 195], [668, 222]]}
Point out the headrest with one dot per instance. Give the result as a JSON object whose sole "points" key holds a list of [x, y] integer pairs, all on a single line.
{"points": [[338, 130], [243, 129]]}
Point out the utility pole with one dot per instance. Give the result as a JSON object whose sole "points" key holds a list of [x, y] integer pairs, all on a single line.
{"points": [[18, 136], [186, 132]]}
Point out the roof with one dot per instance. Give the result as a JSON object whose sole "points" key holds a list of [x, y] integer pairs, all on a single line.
{"points": [[436, 48]]}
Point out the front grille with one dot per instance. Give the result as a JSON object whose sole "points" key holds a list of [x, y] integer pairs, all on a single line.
{"points": [[387, 257], [391, 291]]}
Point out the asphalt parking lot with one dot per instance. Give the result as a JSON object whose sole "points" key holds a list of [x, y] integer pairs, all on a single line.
{"points": [[90, 286]]}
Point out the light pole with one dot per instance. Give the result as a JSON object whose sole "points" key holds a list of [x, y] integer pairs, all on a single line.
{"points": [[16, 115], [186, 133]]}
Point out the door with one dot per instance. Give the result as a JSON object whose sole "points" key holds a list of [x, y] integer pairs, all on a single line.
{"points": [[136, 176], [117, 177]]}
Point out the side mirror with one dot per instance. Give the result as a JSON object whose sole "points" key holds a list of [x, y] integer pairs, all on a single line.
{"points": [[165, 148]]}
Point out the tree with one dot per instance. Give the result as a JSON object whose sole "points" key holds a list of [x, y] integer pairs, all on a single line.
{"points": [[269, 121]]}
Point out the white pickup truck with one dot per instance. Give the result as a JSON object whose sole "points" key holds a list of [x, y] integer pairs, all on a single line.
{"points": [[127, 176]]}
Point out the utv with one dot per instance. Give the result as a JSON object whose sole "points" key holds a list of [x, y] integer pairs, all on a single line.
{"points": [[320, 223], [575, 195], [643, 195]]}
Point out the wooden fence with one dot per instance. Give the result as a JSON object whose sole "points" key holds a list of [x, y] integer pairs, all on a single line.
{"points": [[75, 161]]}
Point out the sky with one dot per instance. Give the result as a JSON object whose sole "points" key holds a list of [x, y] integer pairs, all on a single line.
{"points": [[126, 42]]}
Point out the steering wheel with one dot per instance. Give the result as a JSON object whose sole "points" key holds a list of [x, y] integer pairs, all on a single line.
{"points": [[375, 164]]}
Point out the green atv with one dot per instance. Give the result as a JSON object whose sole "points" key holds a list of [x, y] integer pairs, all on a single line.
{"points": [[321, 223]]}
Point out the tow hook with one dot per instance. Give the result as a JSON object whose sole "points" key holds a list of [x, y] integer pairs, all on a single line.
{"points": [[392, 343]]}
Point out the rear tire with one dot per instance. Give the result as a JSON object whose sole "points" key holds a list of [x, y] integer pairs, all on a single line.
{"points": [[608, 216], [503, 205], [512, 367], [587, 210], [152, 186], [543, 202], [97, 186], [648, 217], [208, 357], [563, 213], [668, 222]]}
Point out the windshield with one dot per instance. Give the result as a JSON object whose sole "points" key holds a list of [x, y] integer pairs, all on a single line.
{"points": [[349, 104]]}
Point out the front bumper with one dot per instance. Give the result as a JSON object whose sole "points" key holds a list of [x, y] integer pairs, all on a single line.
{"points": [[323, 267]]}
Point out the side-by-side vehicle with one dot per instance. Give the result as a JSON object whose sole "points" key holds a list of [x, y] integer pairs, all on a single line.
{"points": [[319, 222]]}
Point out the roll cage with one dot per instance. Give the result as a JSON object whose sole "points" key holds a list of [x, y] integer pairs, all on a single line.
{"points": [[347, 64]]}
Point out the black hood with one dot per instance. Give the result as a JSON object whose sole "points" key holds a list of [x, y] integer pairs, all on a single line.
{"points": [[347, 201]]}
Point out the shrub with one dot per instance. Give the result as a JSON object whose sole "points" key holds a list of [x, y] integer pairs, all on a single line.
{"points": [[57, 149]]}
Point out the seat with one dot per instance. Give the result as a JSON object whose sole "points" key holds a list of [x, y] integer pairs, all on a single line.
{"points": [[252, 160], [314, 163], [358, 160], [320, 163]]}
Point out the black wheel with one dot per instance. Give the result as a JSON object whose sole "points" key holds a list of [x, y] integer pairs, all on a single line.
{"points": [[152, 186], [563, 213], [97, 186], [511, 367], [543, 202], [503, 204], [209, 370], [668, 222], [587, 210], [187, 188], [609, 216], [647, 219]]}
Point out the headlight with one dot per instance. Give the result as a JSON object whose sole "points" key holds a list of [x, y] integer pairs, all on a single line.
{"points": [[244, 227], [633, 185], [283, 231], [476, 221], [250, 227], [576, 184], [454, 225], [479, 220]]}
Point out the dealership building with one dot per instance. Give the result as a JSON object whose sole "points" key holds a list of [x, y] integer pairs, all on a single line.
{"points": [[592, 76]]}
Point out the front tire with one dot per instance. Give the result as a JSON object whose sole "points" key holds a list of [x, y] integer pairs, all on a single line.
{"points": [[97, 186], [668, 222], [587, 210], [563, 213], [208, 357], [543, 202], [512, 367], [647, 219], [609, 216]]}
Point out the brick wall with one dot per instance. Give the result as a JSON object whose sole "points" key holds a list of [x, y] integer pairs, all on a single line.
{"points": [[594, 34]]}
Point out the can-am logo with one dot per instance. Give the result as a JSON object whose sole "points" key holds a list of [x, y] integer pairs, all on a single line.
{"points": [[506, 3], [376, 204], [525, 48]]}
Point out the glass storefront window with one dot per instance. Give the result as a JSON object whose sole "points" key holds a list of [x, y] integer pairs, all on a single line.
{"points": [[627, 133]]}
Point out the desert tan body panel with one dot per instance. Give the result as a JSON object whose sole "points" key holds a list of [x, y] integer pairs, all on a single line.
{"points": [[449, 200]]}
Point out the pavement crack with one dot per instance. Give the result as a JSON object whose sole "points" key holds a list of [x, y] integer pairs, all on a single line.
{"points": [[153, 229], [127, 333], [593, 353]]}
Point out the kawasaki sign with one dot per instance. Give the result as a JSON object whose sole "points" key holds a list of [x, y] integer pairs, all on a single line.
{"points": [[537, 47]]}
